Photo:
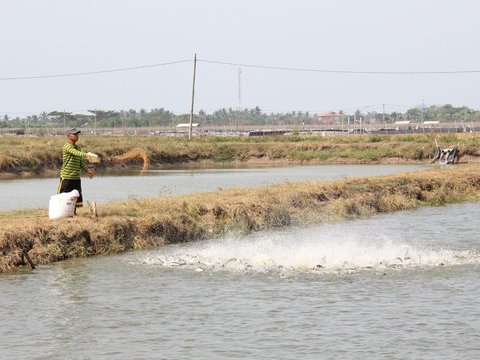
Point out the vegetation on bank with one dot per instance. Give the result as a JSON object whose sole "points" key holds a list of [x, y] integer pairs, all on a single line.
{"points": [[38, 155], [30, 237]]}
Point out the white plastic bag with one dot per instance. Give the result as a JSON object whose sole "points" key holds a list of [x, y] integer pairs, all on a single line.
{"points": [[63, 205]]}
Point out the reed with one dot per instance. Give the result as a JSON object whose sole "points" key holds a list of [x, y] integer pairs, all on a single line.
{"points": [[146, 223]]}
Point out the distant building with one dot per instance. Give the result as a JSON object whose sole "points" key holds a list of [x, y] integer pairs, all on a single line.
{"points": [[186, 126], [329, 117], [403, 124], [18, 131]]}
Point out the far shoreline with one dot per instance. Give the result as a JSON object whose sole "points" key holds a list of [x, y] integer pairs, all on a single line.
{"points": [[53, 173], [41, 156]]}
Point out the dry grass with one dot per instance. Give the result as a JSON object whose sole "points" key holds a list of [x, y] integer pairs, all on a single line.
{"points": [[144, 223], [43, 154]]}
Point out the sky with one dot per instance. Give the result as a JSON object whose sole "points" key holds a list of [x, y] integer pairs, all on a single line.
{"points": [[279, 55]]}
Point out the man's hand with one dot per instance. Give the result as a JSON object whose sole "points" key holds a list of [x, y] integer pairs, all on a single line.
{"points": [[93, 158], [90, 173]]}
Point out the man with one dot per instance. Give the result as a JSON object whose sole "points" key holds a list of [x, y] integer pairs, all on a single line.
{"points": [[73, 162]]}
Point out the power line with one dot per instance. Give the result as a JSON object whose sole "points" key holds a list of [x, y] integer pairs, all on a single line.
{"points": [[91, 72], [449, 72], [399, 106], [343, 71]]}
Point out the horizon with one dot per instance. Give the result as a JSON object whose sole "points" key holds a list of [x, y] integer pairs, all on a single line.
{"points": [[368, 110]]}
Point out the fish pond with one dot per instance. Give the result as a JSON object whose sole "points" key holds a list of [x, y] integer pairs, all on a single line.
{"points": [[397, 286]]}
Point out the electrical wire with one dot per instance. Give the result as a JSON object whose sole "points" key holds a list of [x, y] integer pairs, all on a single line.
{"points": [[451, 72], [91, 72], [343, 71]]}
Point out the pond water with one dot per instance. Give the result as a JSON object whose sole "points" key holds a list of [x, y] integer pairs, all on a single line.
{"points": [[36, 192], [398, 286]]}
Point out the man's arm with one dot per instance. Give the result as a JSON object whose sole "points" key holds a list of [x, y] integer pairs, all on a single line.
{"points": [[68, 148], [71, 150], [86, 168]]}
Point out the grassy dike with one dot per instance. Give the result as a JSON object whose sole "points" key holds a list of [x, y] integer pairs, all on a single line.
{"points": [[145, 223], [41, 155]]}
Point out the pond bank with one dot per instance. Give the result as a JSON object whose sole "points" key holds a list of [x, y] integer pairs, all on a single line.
{"points": [[42, 155], [144, 223]]}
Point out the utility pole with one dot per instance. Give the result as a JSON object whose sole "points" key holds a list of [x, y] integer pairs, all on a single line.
{"points": [[423, 115], [239, 99], [193, 95], [239, 88], [383, 119], [95, 122]]}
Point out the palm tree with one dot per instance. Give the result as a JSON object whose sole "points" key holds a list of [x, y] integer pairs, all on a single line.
{"points": [[44, 118]]}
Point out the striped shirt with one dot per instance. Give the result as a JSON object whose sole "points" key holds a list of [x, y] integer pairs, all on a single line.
{"points": [[73, 162]]}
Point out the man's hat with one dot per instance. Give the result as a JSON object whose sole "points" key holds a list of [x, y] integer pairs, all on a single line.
{"points": [[73, 131]]}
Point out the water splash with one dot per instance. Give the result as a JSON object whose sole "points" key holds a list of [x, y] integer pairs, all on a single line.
{"points": [[311, 250]]}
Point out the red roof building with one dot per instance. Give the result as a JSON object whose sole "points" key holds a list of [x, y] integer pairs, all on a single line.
{"points": [[329, 117]]}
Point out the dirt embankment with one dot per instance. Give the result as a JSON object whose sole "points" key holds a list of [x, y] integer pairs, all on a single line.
{"points": [[42, 155], [29, 238]]}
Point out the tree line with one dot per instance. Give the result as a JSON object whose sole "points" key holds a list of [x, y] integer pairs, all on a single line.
{"points": [[230, 117]]}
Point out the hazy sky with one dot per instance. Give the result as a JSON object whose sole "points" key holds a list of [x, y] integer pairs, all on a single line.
{"points": [[57, 37]]}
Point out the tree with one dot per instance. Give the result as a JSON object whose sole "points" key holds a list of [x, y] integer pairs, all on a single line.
{"points": [[358, 115], [44, 118], [414, 114]]}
